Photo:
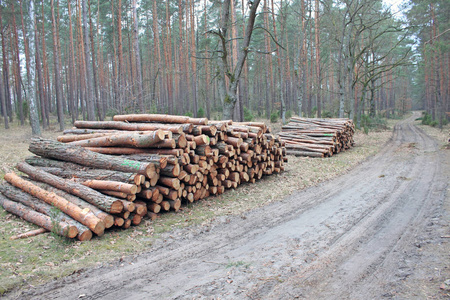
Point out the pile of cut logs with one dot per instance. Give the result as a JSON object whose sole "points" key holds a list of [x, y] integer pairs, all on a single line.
{"points": [[102, 174], [317, 137]]}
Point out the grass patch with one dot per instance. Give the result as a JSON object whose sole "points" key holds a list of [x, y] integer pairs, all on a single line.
{"points": [[45, 257]]}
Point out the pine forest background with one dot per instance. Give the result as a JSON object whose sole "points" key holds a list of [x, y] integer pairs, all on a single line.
{"points": [[91, 59]]}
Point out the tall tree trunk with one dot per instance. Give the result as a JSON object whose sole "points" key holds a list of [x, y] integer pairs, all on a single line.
{"points": [[46, 75], [57, 70], [88, 66], [2, 76], [138, 58], [121, 72], [193, 49], [317, 44], [34, 115], [72, 79], [94, 67], [279, 65], [17, 73]]}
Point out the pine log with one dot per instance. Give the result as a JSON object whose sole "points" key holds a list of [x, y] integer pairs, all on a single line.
{"points": [[16, 194], [28, 214], [111, 186], [106, 203], [128, 126], [130, 139], [160, 118], [57, 150]]}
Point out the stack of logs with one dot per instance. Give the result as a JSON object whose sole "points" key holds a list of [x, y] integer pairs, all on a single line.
{"points": [[317, 137], [114, 173]]}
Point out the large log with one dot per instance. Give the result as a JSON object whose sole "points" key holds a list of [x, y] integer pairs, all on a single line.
{"points": [[160, 118], [106, 203], [128, 126], [96, 174], [83, 216], [79, 155], [16, 194], [26, 213], [130, 139]]}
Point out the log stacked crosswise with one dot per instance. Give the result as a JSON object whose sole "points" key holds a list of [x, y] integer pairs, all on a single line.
{"points": [[103, 174], [317, 137]]}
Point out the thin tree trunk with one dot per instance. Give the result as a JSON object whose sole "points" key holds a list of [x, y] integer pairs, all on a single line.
{"points": [[137, 54], [17, 73], [88, 66], [317, 44], [57, 71]]}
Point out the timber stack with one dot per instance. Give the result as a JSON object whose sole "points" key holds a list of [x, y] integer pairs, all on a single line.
{"points": [[103, 174], [315, 137]]}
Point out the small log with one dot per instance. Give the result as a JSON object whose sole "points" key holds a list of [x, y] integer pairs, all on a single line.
{"points": [[28, 234], [160, 118], [127, 126]]}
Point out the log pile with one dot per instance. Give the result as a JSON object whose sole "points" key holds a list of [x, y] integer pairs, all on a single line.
{"points": [[317, 137], [114, 173]]}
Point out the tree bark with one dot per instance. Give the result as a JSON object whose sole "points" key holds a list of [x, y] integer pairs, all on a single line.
{"points": [[57, 150], [16, 194], [23, 211], [106, 203], [85, 217], [59, 100]]}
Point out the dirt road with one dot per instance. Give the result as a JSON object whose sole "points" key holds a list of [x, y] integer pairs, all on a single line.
{"points": [[380, 231]]}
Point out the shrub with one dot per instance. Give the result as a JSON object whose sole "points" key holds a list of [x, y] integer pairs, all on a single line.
{"points": [[426, 119], [327, 114], [189, 114], [289, 114], [274, 117], [248, 116], [201, 113], [434, 123]]}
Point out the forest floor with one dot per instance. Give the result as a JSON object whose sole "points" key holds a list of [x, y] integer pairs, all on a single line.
{"points": [[358, 225]]}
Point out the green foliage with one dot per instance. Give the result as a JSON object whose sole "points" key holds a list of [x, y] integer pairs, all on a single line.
{"points": [[434, 123], [288, 114], [201, 113], [248, 116], [313, 112], [426, 119], [373, 123], [189, 114], [327, 114], [274, 117]]}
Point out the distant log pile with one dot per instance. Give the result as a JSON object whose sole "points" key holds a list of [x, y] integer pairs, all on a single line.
{"points": [[115, 173], [317, 137]]}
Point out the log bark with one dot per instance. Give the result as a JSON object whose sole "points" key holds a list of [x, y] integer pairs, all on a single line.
{"points": [[137, 140], [16, 194], [85, 217], [111, 186], [79, 155], [160, 118], [128, 126], [23, 211], [106, 203]]}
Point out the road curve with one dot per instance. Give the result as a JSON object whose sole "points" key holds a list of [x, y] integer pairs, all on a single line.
{"points": [[343, 239]]}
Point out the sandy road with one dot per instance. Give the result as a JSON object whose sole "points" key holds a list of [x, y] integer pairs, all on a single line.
{"points": [[360, 236]]}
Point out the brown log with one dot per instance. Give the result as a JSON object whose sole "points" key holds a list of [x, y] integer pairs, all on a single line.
{"points": [[105, 217], [165, 205], [152, 216], [127, 126], [16, 194], [115, 194], [160, 118], [120, 150], [141, 208], [85, 217], [118, 221], [153, 207], [170, 182], [78, 137], [146, 193], [130, 139], [175, 204], [26, 213], [111, 186], [28, 234], [128, 205], [106, 203], [136, 219], [79, 155], [127, 224], [171, 170]]}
